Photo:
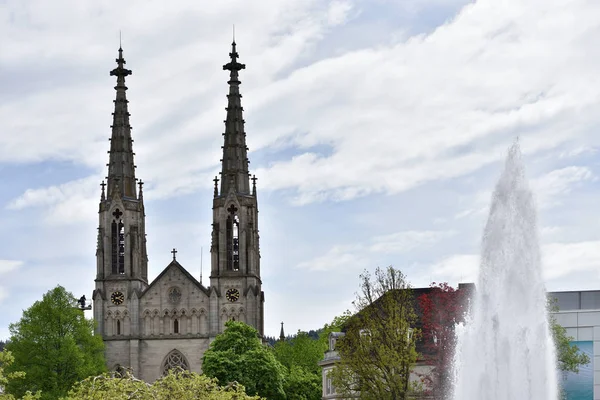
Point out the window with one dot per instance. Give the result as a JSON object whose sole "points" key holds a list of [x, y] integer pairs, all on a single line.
{"points": [[117, 235], [233, 240], [175, 325], [118, 327], [175, 360]]}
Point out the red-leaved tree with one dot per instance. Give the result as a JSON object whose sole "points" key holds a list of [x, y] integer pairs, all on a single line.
{"points": [[441, 309]]}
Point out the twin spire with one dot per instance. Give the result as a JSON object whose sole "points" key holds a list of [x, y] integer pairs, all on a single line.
{"points": [[234, 172], [234, 167], [121, 169]]}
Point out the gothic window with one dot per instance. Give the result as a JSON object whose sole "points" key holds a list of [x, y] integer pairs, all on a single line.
{"points": [[233, 240], [175, 360], [118, 327], [175, 325], [118, 243]]}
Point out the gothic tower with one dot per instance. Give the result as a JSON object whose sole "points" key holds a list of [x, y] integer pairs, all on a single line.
{"points": [[121, 258], [235, 256]]}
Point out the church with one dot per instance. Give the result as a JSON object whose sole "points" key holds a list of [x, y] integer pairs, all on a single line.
{"points": [[169, 322]]}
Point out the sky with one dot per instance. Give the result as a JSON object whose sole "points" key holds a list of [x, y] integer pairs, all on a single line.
{"points": [[377, 130]]}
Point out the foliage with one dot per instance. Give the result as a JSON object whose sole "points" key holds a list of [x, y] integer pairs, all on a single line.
{"points": [[568, 356], [442, 308], [6, 360], [181, 385], [378, 350], [301, 351], [2, 344], [54, 345], [301, 384], [237, 355], [300, 355]]}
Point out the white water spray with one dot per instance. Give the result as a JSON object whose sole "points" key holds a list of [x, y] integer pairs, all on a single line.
{"points": [[506, 352]]}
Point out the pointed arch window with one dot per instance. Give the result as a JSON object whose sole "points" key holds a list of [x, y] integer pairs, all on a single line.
{"points": [[233, 239], [175, 325], [118, 243], [118, 327], [175, 360]]}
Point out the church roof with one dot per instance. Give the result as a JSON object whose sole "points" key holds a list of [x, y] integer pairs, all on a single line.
{"points": [[121, 169]]}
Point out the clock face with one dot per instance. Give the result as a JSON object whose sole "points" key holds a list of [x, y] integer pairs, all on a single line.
{"points": [[117, 298], [232, 295]]}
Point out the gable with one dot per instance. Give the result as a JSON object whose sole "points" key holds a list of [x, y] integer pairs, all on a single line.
{"points": [[174, 289]]}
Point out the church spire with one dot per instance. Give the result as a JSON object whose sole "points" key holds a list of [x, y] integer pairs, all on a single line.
{"points": [[121, 170], [234, 173]]}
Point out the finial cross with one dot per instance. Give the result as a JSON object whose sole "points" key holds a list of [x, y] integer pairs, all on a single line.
{"points": [[103, 185], [174, 252], [140, 184]]}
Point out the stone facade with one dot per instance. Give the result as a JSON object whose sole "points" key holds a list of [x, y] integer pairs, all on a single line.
{"points": [[153, 326]]}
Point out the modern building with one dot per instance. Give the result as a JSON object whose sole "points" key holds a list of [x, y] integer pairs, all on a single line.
{"points": [[153, 325], [579, 314]]}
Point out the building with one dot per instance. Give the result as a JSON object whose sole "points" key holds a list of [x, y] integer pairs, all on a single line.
{"points": [[424, 365], [151, 326], [579, 314]]}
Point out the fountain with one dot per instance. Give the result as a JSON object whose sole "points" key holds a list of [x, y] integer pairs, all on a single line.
{"points": [[505, 351]]}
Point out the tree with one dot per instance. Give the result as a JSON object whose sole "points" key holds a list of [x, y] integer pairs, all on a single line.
{"points": [[54, 345], [378, 350], [442, 308], [237, 355], [568, 355], [301, 351], [300, 355], [181, 385], [6, 360]]}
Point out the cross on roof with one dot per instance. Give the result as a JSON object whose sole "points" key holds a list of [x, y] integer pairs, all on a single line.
{"points": [[174, 251], [117, 213]]}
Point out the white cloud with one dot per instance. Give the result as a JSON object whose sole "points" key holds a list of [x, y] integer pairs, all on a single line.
{"points": [[401, 242], [357, 256], [7, 266], [457, 268], [563, 259], [346, 257], [549, 187], [67, 203]]}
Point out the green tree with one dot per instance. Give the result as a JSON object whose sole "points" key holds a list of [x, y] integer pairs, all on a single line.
{"points": [[6, 360], [378, 350], [300, 355], [568, 355], [301, 351], [54, 345], [181, 385], [237, 355]]}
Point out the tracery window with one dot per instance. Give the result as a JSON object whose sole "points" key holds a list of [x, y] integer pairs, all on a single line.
{"points": [[233, 239], [175, 360], [118, 243]]}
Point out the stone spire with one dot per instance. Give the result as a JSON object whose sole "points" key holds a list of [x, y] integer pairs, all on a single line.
{"points": [[234, 173], [121, 170], [281, 333]]}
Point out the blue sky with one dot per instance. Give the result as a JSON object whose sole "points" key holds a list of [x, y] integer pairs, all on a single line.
{"points": [[376, 128]]}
